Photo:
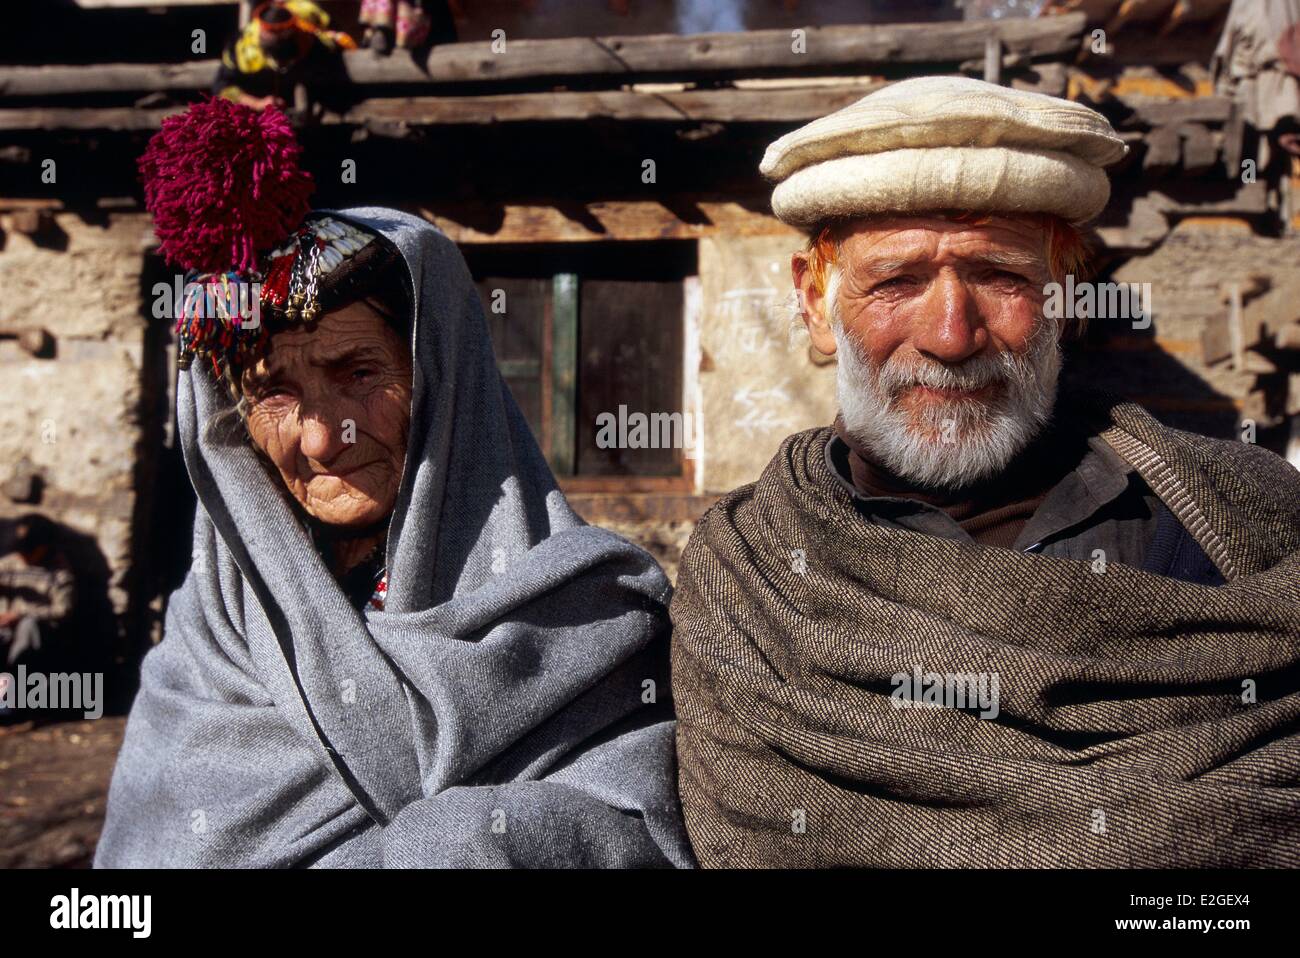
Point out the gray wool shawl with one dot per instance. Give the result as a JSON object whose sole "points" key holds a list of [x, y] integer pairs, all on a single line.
{"points": [[508, 707]]}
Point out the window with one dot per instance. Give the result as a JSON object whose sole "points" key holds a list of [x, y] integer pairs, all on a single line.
{"points": [[592, 335]]}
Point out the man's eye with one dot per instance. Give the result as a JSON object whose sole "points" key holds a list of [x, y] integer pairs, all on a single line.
{"points": [[894, 283], [1006, 276], [362, 374]]}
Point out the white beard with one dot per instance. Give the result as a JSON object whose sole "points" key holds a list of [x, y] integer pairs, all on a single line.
{"points": [[954, 444]]}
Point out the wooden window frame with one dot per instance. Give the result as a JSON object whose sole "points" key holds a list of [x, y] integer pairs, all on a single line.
{"points": [[558, 366]]}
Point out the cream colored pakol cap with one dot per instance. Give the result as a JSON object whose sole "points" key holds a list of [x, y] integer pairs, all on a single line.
{"points": [[943, 143]]}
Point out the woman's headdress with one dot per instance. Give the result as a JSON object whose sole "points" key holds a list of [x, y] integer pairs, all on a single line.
{"points": [[230, 206]]}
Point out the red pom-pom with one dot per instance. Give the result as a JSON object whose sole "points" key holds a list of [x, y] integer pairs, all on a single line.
{"points": [[223, 184]]}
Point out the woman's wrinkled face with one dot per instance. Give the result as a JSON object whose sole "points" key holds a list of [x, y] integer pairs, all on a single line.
{"points": [[330, 407]]}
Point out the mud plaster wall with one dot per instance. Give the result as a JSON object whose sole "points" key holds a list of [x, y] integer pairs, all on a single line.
{"points": [[74, 419], [756, 380]]}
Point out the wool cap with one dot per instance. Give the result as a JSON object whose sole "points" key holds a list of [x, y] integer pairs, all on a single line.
{"points": [[941, 143]]}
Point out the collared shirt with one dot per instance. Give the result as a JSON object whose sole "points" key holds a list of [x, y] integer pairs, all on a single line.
{"points": [[1100, 503]]}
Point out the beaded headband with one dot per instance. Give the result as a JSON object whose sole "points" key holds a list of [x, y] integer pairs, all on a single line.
{"points": [[230, 205]]}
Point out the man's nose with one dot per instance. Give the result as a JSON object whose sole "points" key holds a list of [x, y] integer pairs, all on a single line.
{"points": [[951, 328]]}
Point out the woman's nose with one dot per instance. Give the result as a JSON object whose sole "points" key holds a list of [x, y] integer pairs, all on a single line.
{"points": [[321, 437]]}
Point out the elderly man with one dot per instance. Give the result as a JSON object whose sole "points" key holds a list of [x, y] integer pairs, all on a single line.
{"points": [[975, 622]]}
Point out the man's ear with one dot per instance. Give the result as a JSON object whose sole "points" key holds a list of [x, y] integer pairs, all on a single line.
{"points": [[813, 306]]}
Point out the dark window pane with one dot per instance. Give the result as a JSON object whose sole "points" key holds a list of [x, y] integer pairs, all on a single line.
{"points": [[630, 354], [515, 310]]}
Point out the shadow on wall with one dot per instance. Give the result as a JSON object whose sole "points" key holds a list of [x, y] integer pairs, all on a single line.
{"points": [[55, 613], [1130, 363]]}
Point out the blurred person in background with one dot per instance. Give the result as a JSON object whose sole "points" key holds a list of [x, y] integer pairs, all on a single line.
{"points": [[286, 57], [38, 593]]}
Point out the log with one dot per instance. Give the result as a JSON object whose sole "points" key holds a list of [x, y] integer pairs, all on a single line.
{"points": [[31, 221], [1216, 342], [67, 118], [1234, 129], [130, 4], [1200, 152], [766, 105], [604, 508], [1288, 337], [1214, 110], [678, 217], [1203, 198], [769, 105], [1255, 407], [60, 80], [1145, 46], [1164, 149], [1049, 78], [1142, 230], [864, 48]]}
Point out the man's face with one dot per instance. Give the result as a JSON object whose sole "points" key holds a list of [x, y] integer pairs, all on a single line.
{"points": [[330, 408], [947, 368]]}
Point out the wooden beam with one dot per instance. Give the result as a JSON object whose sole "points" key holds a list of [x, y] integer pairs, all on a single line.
{"points": [[61, 80], [66, 118], [1136, 45], [860, 48], [1156, 113], [992, 59], [1200, 151], [725, 105], [680, 218], [1144, 227], [1197, 198], [1163, 150], [152, 4], [625, 506]]}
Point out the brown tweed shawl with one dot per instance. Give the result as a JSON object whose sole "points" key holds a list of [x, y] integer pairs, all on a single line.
{"points": [[1126, 735]]}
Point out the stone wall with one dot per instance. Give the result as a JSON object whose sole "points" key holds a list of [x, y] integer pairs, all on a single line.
{"points": [[1165, 367], [72, 433]]}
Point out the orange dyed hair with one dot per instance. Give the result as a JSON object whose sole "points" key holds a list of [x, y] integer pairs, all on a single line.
{"points": [[1066, 252]]}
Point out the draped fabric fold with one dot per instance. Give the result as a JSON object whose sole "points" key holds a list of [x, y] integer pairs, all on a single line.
{"points": [[510, 704], [1139, 720]]}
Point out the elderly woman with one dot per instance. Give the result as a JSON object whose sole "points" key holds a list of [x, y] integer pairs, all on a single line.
{"points": [[397, 644]]}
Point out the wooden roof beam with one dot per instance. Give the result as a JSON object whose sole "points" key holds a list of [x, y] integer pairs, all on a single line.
{"points": [[860, 49]]}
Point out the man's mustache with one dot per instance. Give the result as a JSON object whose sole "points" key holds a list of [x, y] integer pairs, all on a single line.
{"points": [[972, 374], [1005, 368]]}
